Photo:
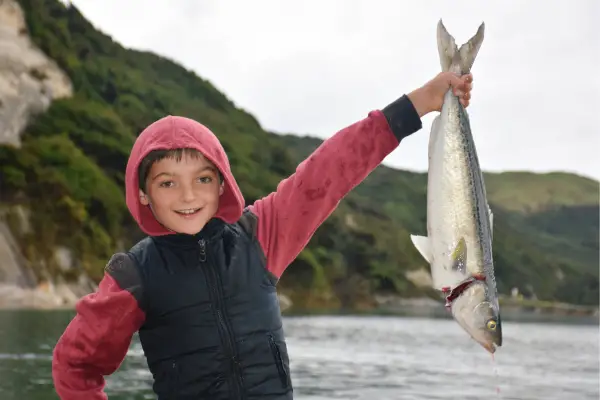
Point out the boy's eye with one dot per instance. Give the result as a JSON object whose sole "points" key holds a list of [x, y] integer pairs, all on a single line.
{"points": [[166, 184], [205, 179]]}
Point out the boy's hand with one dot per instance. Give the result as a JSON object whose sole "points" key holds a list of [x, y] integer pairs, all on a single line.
{"points": [[430, 96]]}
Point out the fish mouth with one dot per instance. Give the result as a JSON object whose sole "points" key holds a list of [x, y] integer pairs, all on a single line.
{"points": [[493, 341], [490, 347]]}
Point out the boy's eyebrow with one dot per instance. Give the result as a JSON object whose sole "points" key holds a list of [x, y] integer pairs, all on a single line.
{"points": [[207, 167], [160, 174]]}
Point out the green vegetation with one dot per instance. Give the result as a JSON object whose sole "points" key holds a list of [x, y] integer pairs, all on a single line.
{"points": [[69, 173], [546, 229]]}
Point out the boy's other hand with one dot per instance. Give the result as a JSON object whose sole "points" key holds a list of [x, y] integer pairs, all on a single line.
{"points": [[430, 96]]}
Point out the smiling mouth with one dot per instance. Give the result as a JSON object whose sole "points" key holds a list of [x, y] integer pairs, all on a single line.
{"points": [[188, 211]]}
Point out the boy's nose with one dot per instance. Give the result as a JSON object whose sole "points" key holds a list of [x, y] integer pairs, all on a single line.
{"points": [[187, 194]]}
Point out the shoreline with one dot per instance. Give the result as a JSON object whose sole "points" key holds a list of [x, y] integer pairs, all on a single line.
{"points": [[45, 296], [508, 315], [63, 297]]}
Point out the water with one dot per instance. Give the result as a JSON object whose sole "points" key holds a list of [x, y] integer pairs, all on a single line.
{"points": [[352, 358]]}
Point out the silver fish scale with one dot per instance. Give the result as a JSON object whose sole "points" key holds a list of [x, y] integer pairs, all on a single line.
{"points": [[480, 204], [460, 204]]}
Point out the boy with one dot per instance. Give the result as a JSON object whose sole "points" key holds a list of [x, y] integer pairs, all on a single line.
{"points": [[201, 288]]}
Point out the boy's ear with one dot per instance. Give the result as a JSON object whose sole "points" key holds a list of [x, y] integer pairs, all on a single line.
{"points": [[144, 198], [221, 189]]}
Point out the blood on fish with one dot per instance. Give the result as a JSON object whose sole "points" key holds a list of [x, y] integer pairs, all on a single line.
{"points": [[497, 377]]}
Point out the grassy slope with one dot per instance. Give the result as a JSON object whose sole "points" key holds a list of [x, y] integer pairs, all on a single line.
{"points": [[70, 173], [546, 225]]}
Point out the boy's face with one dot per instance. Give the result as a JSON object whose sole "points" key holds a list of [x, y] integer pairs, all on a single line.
{"points": [[184, 195]]}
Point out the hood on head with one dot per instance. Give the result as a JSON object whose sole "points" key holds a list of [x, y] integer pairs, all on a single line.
{"points": [[169, 133]]}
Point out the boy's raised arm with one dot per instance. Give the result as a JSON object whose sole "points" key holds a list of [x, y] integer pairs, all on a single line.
{"points": [[96, 341], [288, 217]]}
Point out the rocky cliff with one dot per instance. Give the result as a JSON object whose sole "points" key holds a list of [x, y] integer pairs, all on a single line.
{"points": [[29, 82]]}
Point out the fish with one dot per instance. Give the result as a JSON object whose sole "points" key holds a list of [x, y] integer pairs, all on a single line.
{"points": [[458, 245]]}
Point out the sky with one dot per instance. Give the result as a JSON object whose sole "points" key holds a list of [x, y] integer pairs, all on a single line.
{"points": [[316, 66]]}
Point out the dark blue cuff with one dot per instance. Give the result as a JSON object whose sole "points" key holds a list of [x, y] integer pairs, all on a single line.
{"points": [[402, 117]]}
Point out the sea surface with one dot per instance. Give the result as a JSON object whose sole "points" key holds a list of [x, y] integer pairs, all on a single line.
{"points": [[353, 357]]}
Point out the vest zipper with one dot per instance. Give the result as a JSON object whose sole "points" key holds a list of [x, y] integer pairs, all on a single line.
{"points": [[283, 376], [224, 329]]}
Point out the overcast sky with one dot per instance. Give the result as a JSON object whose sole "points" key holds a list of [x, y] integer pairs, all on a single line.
{"points": [[314, 66]]}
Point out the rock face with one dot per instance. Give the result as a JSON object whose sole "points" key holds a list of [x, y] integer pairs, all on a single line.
{"points": [[13, 266], [29, 80], [19, 285]]}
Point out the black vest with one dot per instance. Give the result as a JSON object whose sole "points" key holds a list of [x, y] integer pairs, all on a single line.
{"points": [[213, 326]]}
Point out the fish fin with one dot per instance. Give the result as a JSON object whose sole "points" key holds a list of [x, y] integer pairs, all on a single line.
{"points": [[441, 277], [459, 256], [446, 46], [451, 57], [422, 245], [446, 276], [469, 50]]}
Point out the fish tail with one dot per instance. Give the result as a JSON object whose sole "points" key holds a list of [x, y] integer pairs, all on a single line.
{"points": [[451, 57]]}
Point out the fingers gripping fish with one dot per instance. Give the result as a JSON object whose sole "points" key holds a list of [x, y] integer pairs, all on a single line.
{"points": [[458, 245]]}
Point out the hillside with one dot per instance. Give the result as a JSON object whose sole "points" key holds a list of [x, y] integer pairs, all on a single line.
{"points": [[546, 225], [68, 175]]}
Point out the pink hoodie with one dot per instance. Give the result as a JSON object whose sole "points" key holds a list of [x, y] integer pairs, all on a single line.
{"points": [[96, 341], [172, 133]]}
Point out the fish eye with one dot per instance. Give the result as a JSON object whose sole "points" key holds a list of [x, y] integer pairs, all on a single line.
{"points": [[491, 325]]}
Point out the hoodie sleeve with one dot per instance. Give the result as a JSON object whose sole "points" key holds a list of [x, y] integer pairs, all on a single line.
{"points": [[96, 341], [288, 217]]}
